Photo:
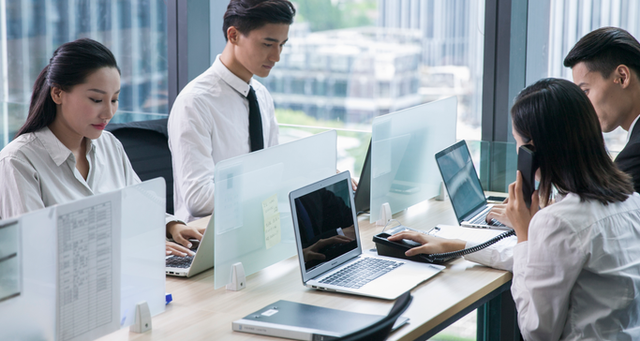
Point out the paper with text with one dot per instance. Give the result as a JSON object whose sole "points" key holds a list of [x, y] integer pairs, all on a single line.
{"points": [[271, 221], [88, 293], [10, 276]]}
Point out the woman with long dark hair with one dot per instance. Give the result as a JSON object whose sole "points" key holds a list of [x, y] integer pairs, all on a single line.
{"points": [[576, 264], [61, 153]]}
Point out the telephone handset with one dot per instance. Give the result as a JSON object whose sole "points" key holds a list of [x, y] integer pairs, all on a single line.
{"points": [[527, 165], [389, 248]]}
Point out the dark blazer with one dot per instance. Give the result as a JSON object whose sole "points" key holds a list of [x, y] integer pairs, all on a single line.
{"points": [[628, 160]]}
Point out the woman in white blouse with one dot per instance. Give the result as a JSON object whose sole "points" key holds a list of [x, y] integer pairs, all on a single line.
{"points": [[62, 153], [576, 264]]}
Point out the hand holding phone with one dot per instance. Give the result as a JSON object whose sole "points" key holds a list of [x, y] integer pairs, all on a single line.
{"points": [[527, 165]]}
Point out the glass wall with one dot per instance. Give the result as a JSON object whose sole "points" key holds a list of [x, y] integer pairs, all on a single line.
{"points": [[570, 20], [349, 61], [134, 30]]}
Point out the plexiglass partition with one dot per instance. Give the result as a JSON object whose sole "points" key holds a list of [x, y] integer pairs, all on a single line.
{"points": [[403, 145], [32, 314], [10, 277], [252, 216], [84, 265], [495, 162], [143, 249]]}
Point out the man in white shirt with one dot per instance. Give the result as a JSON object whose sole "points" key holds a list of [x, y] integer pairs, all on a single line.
{"points": [[224, 112]]}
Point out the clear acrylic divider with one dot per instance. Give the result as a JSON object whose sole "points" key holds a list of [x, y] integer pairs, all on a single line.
{"points": [[32, 314], [403, 146], [84, 265], [252, 216], [143, 249], [496, 163]]}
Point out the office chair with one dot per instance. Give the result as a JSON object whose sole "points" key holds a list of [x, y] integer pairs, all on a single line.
{"points": [[379, 331], [146, 145]]}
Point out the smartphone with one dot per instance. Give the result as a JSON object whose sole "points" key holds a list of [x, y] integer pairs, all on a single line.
{"points": [[527, 165]]}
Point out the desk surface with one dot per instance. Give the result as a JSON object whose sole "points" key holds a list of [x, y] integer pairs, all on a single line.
{"points": [[200, 312]]}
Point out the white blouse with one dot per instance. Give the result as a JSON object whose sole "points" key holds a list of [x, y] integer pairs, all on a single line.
{"points": [[578, 275], [38, 171]]}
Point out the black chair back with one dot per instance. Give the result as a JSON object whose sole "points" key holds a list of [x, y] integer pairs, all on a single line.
{"points": [[146, 145], [379, 331]]}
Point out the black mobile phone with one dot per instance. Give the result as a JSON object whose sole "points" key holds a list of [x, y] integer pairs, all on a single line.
{"points": [[527, 165]]}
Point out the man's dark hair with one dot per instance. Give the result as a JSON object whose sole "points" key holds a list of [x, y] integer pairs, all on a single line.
{"points": [[248, 15], [604, 49], [565, 130]]}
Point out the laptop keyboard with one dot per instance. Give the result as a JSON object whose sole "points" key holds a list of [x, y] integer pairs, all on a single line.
{"points": [[179, 262], [182, 262], [481, 220], [361, 272]]}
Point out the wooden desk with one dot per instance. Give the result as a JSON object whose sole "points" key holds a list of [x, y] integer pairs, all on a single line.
{"points": [[200, 312]]}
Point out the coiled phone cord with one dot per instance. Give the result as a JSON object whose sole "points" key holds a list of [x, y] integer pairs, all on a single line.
{"points": [[441, 257]]}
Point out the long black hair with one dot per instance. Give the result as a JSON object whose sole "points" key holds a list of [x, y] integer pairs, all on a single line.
{"points": [[565, 130], [70, 65]]}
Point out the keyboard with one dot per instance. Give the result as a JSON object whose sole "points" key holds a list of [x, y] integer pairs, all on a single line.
{"points": [[361, 272], [179, 262], [183, 262], [482, 220]]}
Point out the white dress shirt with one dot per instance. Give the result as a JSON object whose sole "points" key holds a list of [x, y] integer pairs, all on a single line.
{"points": [[578, 275], [497, 256], [38, 171], [209, 122]]}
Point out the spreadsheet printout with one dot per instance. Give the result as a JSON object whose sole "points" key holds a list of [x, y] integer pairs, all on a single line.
{"points": [[88, 300]]}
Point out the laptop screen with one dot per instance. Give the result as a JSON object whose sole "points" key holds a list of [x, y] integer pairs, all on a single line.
{"points": [[460, 178], [325, 224]]}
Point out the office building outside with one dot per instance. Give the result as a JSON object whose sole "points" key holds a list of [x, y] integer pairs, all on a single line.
{"points": [[347, 75], [134, 30]]}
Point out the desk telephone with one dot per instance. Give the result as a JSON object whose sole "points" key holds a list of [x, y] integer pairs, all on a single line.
{"points": [[386, 247]]}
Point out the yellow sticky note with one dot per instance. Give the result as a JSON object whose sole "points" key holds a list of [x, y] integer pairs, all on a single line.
{"points": [[270, 206], [271, 221], [272, 230]]}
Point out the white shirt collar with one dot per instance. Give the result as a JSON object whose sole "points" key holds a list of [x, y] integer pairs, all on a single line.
{"points": [[234, 81], [59, 152], [633, 124]]}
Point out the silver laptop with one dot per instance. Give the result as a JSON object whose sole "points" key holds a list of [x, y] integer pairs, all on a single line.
{"points": [[192, 265], [464, 188], [330, 249]]}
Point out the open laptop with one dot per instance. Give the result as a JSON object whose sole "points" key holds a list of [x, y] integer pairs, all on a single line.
{"points": [[330, 250], [192, 265], [464, 188]]}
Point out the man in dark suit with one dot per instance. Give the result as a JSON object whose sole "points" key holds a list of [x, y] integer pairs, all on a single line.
{"points": [[606, 64]]}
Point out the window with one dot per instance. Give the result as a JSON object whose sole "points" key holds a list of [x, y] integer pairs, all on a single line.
{"points": [[365, 58], [568, 21], [134, 30]]}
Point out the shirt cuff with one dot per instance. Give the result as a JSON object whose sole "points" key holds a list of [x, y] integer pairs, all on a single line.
{"points": [[483, 256], [169, 219], [520, 255]]}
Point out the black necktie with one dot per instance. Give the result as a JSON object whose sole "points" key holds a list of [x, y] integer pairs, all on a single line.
{"points": [[255, 122]]}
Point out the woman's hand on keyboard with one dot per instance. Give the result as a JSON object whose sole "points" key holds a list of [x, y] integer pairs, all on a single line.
{"points": [[430, 244], [177, 250], [499, 213]]}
